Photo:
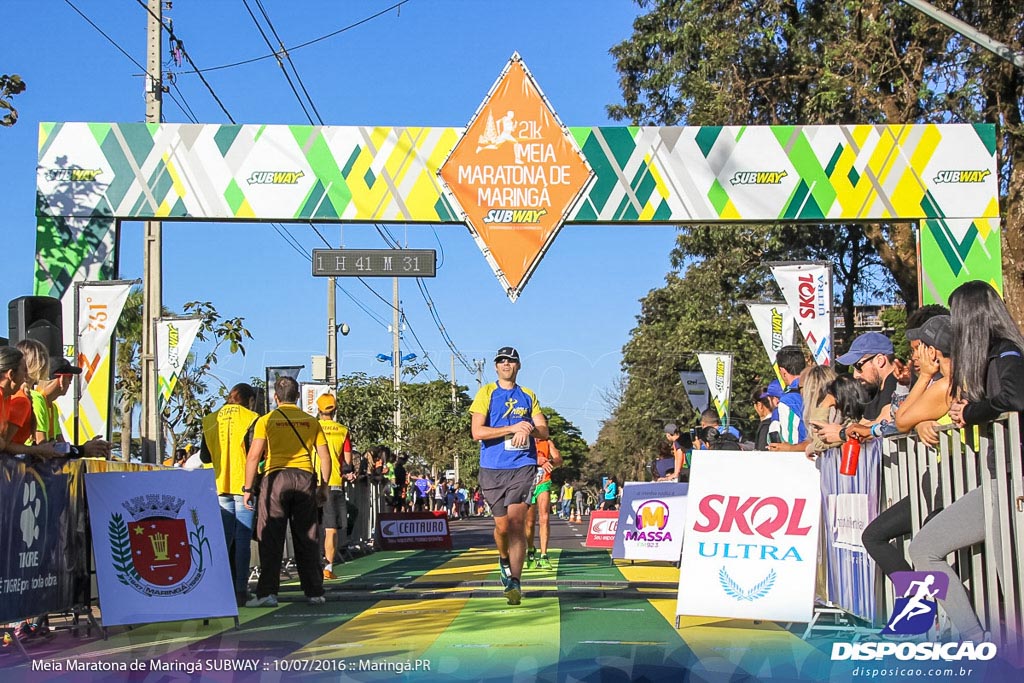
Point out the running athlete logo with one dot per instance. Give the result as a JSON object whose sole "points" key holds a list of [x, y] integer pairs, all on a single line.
{"points": [[512, 410], [914, 612]]}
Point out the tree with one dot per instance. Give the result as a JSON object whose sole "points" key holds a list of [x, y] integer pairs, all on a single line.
{"points": [[569, 441], [128, 383], [721, 62], [10, 85], [191, 400]]}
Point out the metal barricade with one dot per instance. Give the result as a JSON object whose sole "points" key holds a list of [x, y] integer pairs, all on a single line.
{"points": [[988, 456], [368, 498]]}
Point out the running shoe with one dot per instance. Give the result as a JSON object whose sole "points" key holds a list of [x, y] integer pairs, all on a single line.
{"points": [[505, 571], [265, 601], [317, 600], [329, 575], [531, 558], [544, 562], [513, 592]]}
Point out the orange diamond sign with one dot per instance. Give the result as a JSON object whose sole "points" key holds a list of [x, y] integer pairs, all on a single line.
{"points": [[515, 174]]}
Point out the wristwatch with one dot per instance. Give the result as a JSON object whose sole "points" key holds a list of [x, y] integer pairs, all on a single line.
{"points": [[842, 436], [246, 489]]}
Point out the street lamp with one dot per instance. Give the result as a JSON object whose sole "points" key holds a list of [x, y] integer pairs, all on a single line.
{"points": [[385, 358]]}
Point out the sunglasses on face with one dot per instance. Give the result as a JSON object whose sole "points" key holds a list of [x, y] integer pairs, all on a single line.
{"points": [[859, 365], [504, 360]]}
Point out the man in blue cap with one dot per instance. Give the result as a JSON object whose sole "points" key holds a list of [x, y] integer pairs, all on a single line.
{"points": [[873, 362]]}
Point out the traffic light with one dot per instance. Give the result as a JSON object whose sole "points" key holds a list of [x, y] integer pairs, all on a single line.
{"points": [[39, 318]]}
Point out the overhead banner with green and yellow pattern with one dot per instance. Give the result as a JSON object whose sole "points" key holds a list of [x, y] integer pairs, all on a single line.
{"points": [[941, 175]]}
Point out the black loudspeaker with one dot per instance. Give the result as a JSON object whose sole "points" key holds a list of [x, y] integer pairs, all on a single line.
{"points": [[39, 318]]}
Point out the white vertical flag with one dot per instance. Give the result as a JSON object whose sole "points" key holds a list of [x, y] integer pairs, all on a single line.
{"points": [[310, 392], [697, 390], [807, 288], [717, 367], [774, 323], [99, 308], [174, 337]]}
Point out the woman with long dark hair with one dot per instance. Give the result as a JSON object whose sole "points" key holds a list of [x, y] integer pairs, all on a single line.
{"points": [[987, 379]]}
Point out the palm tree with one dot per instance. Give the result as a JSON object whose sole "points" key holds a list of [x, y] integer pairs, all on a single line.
{"points": [[128, 382]]}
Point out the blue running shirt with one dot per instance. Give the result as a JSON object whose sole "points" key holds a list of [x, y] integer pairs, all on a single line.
{"points": [[504, 408]]}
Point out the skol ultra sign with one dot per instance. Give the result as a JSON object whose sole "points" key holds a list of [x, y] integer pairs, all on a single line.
{"points": [[515, 174]]}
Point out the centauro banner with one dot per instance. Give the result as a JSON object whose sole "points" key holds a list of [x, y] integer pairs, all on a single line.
{"points": [[807, 288], [159, 546], [99, 306], [750, 549], [774, 323], [717, 368], [174, 337]]}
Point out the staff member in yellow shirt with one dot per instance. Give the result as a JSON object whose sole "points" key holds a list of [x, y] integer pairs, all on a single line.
{"points": [[225, 442], [339, 443], [288, 494]]}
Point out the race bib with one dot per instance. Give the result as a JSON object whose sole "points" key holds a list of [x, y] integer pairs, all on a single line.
{"points": [[510, 447]]}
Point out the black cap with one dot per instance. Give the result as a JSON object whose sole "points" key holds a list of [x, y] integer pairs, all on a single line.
{"points": [[936, 332], [61, 366], [507, 352]]}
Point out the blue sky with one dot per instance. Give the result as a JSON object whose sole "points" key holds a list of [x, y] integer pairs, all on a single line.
{"points": [[428, 63]]}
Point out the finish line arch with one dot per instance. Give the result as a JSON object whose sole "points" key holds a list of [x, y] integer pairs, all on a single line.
{"points": [[490, 175]]}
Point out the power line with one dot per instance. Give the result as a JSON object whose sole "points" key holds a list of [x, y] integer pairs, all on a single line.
{"points": [[290, 62], [188, 57], [279, 62], [397, 5]]}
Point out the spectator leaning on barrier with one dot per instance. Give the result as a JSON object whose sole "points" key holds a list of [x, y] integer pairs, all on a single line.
{"points": [[819, 404], [288, 494], [987, 379], [13, 374], [873, 362], [227, 434], [927, 404], [846, 398], [787, 418]]}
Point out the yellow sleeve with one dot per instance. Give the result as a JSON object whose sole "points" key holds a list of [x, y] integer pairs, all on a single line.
{"points": [[482, 403], [533, 399], [260, 430]]}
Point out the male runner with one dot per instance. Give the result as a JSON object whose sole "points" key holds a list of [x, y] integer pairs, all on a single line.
{"points": [[506, 418]]}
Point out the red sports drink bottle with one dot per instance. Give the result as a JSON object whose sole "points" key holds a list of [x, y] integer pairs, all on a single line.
{"points": [[851, 455]]}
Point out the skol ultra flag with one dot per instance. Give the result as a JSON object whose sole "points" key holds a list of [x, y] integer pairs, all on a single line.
{"points": [[807, 289]]}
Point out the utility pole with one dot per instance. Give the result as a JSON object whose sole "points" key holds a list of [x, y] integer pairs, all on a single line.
{"points": [[478, 363], [332, 336], [454, 408], [396, 357], [152, 259]]}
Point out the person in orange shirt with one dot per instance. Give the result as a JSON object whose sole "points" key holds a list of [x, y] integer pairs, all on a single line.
{"points": [[548, 458], [16, 416]]}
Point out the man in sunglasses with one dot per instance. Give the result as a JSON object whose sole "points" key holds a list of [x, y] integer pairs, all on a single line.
{"points": [[873, 363], [507, 420]]}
